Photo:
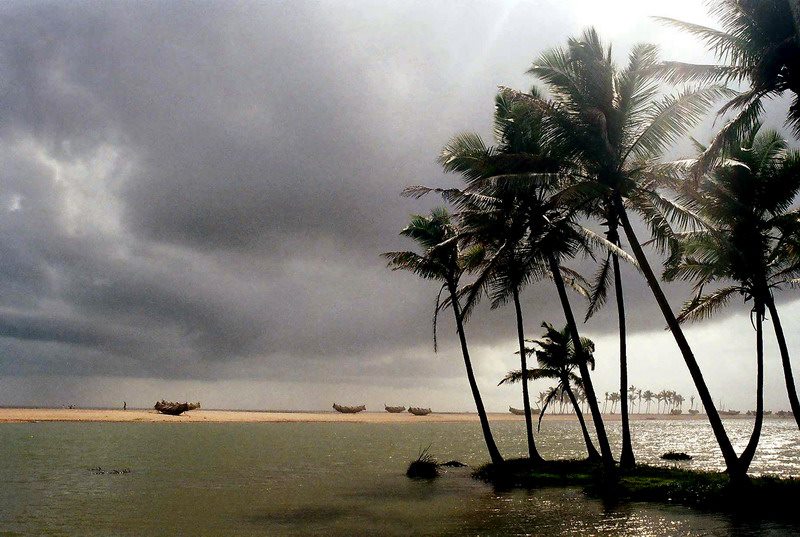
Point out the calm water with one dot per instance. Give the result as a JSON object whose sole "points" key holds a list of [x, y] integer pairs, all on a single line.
{"points": [[332, 479]]}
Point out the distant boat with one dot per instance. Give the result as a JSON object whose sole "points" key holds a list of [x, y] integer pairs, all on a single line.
{"points": [[394, 409], [521, 411], [729, 412], [349, 409], [174, 409], [417, 411]]}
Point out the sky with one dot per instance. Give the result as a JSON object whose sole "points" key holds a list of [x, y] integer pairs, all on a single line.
{"points": [[194, 197]]}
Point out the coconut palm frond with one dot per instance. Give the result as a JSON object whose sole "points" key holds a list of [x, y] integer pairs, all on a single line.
{"points": [[419, 265], [465, 153], [703, 306], [671, 117], [725, 45], [603, 243], [550, 397], [599, 288], [691, 73]]}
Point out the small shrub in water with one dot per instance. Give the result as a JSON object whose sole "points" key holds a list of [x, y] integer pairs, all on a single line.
{"points": [[676, 456], [425, 467]]}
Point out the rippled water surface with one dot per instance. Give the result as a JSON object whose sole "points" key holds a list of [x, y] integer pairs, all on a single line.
{"points": [[335, 479]]}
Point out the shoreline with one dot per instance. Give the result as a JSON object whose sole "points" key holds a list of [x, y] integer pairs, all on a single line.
{"points": [[23, 415]]}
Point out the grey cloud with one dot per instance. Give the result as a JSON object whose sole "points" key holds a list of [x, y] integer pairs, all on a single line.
{"points": [[202, 190]]}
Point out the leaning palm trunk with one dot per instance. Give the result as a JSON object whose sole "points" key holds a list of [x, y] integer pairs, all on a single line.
{"points": [[787, 365], [533, 453], [593, 453], [599, 427], [494, 453], [794, 5], [626, 458], [728, 453], [750, 450]]}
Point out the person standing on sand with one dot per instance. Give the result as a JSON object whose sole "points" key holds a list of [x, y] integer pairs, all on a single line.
{"points": [[124, 405]]}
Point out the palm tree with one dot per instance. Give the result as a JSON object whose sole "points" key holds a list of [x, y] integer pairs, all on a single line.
{"points": [[509, 209], [751, 240], [442, 260], [648, 397], [614, 397], [760, 45], [556, 236], [614, 126], [494, 213], [661, 397], [557, 360], [581, 395]]}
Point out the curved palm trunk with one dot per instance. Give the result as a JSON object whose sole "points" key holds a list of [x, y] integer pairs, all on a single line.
{"points": [[794, 6], [725, 446], [750, 450], [594, 455], [532, 452], [599, 426], [494, 453], [626, 458], [787, 365]]}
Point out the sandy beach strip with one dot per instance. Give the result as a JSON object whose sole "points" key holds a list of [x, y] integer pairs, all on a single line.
{"points": [[12, 415]]}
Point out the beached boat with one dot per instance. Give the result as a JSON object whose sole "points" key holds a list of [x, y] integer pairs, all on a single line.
{"points": [[174, 409], [394, 409], [349, 409], [521, 411], [417, 411]]}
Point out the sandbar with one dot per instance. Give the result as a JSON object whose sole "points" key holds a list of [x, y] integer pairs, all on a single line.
{"points": [[12, 415]]}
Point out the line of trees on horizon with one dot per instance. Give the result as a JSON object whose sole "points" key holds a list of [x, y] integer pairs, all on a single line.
{"points": [[586, 149], [637, 398]]}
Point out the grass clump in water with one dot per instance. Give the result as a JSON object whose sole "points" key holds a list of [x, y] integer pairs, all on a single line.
{"points": [[425, 467]]}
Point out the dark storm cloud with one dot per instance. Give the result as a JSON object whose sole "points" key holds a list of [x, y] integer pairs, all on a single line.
{"points": [[203, 189]]}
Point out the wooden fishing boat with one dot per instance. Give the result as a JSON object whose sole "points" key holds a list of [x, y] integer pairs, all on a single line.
{"points": [[349, 409], [174, 409], [394, 409], [417, 411], [521, 411]]}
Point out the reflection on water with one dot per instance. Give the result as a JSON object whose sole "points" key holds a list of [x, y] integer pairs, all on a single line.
{"points": [[336, 479]]}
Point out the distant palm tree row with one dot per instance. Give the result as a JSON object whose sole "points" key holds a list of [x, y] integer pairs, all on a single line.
{"points": [[637, 398], [586, 152], [665, 401]]}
